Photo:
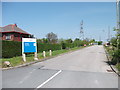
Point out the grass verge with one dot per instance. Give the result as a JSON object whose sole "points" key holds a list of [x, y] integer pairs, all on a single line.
{"points": [[110, 52], [15, 61]]}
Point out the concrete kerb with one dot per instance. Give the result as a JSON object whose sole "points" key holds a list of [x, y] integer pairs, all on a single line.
{"points": [[40, 60], [112, 67]]}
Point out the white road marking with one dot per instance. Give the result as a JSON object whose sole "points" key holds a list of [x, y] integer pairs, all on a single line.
{"points": [[49, 79]]}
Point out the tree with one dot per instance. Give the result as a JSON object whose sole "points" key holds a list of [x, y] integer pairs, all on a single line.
{"points": [[77, 42], [52, 38], [39, 41], [69, 41], [63, 45], [99, 42], [61, 40], [113, 41], [92, 41], [44, 40], [77, 39]]}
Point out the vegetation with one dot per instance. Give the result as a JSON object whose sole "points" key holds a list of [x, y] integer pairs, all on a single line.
{"points": [[15, 61], [114, 51], [12, 50], [99, 42], [51, 37]]}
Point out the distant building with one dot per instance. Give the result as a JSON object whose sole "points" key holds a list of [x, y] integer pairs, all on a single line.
{"points": [[13, 33]]}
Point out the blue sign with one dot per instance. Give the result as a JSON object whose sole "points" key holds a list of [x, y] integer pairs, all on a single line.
{"points": [[29, 45]]}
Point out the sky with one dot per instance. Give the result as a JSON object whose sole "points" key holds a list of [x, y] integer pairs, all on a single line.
{"points": [[62, 18]]}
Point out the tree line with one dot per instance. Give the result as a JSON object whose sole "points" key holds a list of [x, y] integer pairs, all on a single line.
{"points": [[52, 38]]}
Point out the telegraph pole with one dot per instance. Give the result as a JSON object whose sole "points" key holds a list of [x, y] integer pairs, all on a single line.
{"points": [[118, 28], [118, 23], [118, 14]]}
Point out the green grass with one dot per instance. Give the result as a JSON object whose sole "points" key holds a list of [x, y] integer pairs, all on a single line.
{"points": [[15, 61], [118, 66]]}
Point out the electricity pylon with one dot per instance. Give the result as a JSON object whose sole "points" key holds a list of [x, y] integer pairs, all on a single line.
{"points": [[81, 31]]}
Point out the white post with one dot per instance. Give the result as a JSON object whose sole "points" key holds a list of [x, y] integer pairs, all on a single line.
{"points": [[50, 52], [24, 57], [35, 56], [44, 54]]}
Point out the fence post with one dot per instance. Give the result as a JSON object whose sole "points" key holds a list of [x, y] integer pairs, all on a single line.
{"points": [[44, 54], [50, 52]]}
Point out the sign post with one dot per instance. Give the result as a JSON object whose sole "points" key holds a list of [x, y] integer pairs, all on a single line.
{"points": [[29, 45]]}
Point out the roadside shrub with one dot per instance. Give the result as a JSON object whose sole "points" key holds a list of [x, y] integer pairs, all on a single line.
{"points": [[115, 57], [100, 43], [118, 67], [63, 45]]}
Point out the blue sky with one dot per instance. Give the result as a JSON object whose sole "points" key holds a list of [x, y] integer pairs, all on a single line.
{"points": [[62, 18]]}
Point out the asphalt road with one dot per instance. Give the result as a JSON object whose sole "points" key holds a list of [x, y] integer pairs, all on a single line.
{"points": [[85, 68]]}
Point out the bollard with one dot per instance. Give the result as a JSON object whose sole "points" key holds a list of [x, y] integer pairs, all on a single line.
{"points": [[44, 54], [50, 52], [35, 56], [24, 57]]}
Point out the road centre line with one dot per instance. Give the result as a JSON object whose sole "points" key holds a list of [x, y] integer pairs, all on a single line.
{"points": [[49, 79]]}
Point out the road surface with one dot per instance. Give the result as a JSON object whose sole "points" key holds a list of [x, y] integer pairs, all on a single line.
{"points": [[84, 68]]}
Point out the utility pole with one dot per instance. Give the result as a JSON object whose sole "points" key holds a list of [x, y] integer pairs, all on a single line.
{"points": [[118, 23], [118, 14], [118, 28], [108, 33], [81, 31]]}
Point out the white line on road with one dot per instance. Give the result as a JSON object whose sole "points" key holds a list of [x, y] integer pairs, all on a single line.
{"points": [[49, 79]]}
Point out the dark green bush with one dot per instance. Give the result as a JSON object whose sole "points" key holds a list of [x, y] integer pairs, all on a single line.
{"points": [[100, 43], [45, 47], [11, 49], [115, 57], [63, 45]]}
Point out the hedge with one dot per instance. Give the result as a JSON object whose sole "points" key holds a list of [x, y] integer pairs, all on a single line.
{"points": [[13, 48], [45, 47], [74, 44]]}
